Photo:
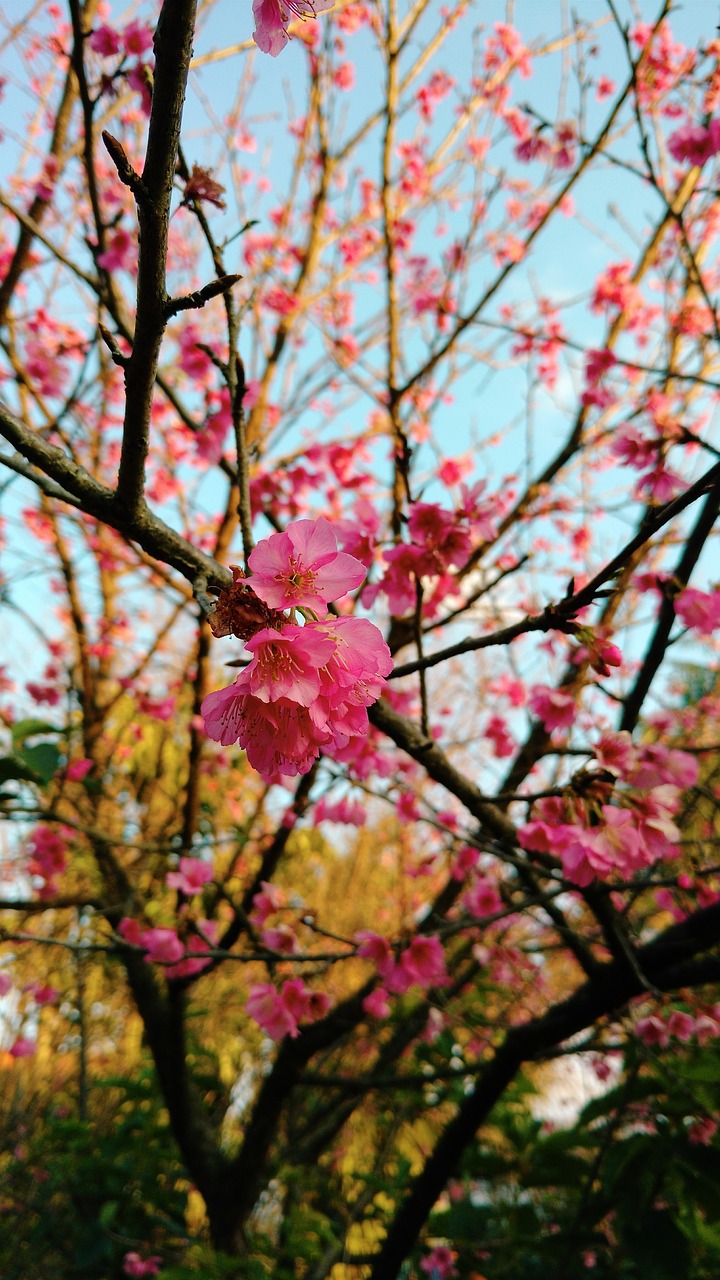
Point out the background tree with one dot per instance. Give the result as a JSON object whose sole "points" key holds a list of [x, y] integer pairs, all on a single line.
{"points": [[393, 355]]}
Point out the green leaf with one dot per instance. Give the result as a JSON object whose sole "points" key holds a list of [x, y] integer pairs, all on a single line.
{"points": [[657, 1245], [44, 759], [24, 729], [13, 769]]}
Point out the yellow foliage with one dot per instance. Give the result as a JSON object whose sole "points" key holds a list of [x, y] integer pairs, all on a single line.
{"points": [[195, 1212]]}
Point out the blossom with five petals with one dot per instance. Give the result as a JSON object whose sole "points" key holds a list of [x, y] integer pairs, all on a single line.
{"points": [[302, 568]]}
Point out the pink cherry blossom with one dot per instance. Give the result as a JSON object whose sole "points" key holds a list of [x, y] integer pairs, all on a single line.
{"points": [[376, 948], [105, 42], [265, 903], [189, 965], [131, 931], [286, 664], [707, 1028], [78, 769], [48, 857], [422, 964], [556, 710], [286, 707], [121, 252], [695, 143], [272, 18], [440, 1263], [163, 946], [652, 1030], [279, 1012], [616, 844], [302, 567], [43, 994], [699, 610], [702, 1131], [137, 39], [279, 737], [348, 811], [656, 765], [503, 742], [440, 535], [191, 877], [22, 1048], [135, 1265], [681, 1025], [482, 899], [280, 938], [377, 1004]]}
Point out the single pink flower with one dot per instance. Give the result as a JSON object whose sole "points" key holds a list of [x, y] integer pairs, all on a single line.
{"points": [[440, 1263], [422, 964], [267, 1007], [699, 610], [280, 938], [652, 1030], [44, 994], [135, 1265], [131, 931], [348, 811], [163, 946], [22, 1048], [272, 18], [556, 709], [121, 252], [105, 42], [681, 1025], [706, 1028], [265, 903], [482, 899], [286, 664], [302, 567], [703, 1131], [191, 877], [137, 39], [377, 1004], [616, 844], [78, 769], [279, 737], [356, 671], [376, 948]]}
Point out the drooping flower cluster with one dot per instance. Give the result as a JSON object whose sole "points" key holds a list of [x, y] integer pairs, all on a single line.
{"points": [[307, 688], [599, 840]]}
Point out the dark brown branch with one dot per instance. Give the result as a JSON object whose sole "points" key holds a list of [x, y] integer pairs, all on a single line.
{"points": [[125, 171], [173, 50], [196, 300], [668, 961], [666, 617], [555, 617], [22, 254]]}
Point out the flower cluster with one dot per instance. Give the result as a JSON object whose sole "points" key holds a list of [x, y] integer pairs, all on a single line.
{"points": [[306, 688], [695, 143], [602, 840], [163, 946], [48, 857], [279, 1012]]}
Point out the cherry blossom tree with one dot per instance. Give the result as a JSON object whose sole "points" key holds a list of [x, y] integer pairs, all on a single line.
{"points": [[360, 746]]}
